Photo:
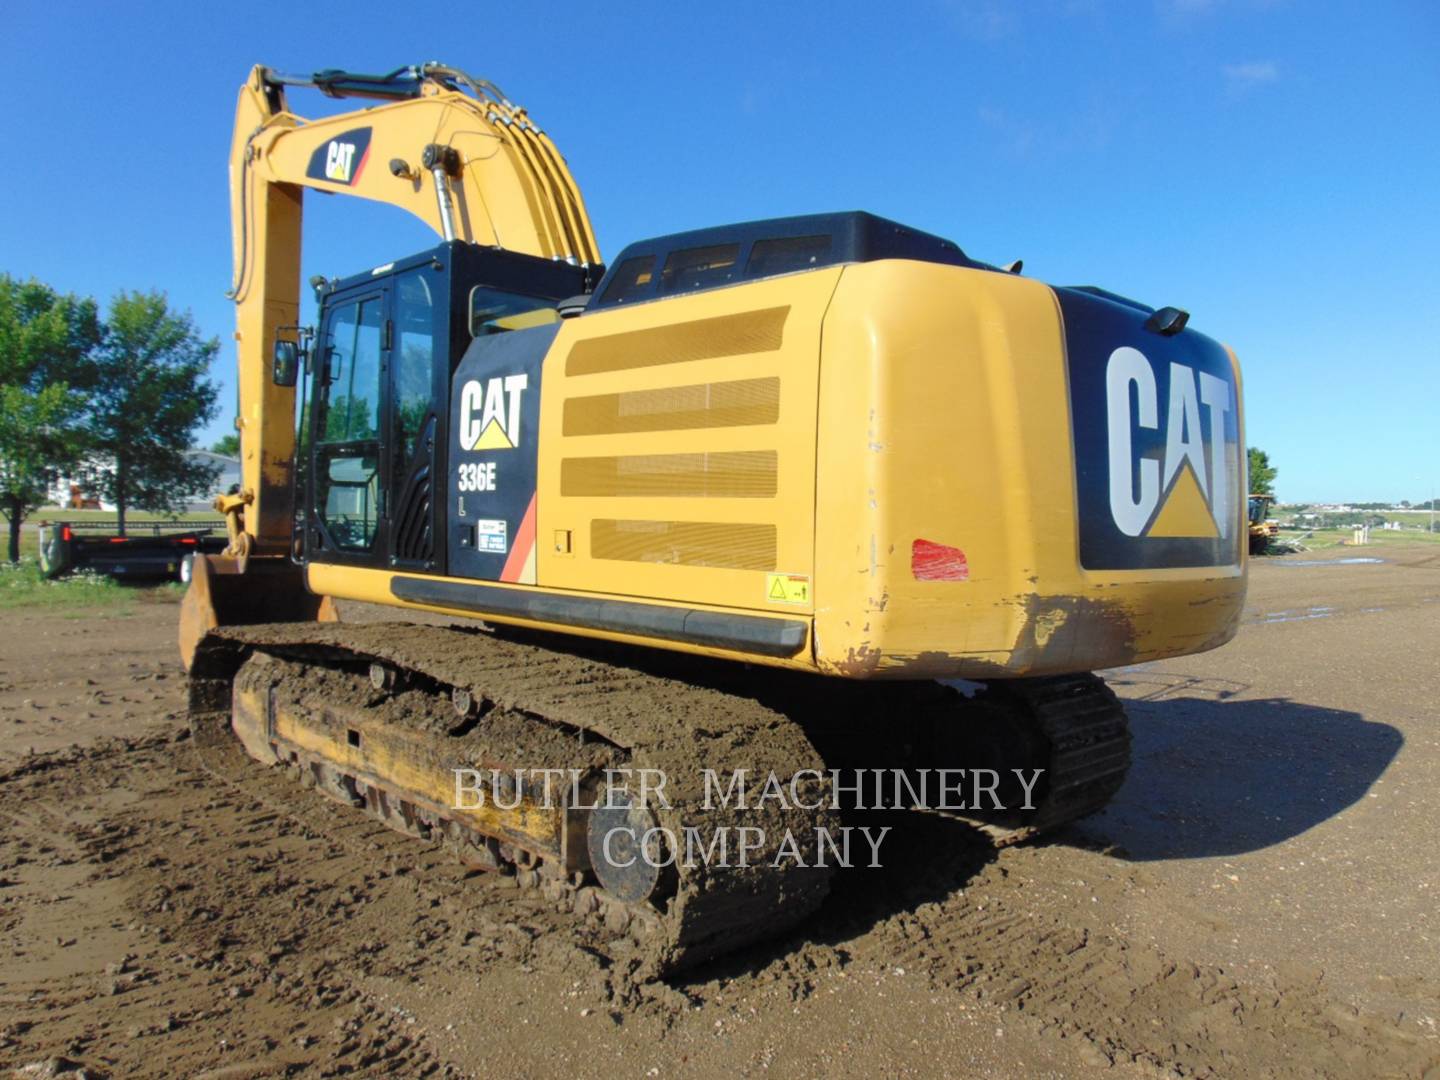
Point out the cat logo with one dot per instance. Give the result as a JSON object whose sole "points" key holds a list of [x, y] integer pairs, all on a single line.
{"points": [[342, 159], [1186, 489], [490, 413], [339, 157]]}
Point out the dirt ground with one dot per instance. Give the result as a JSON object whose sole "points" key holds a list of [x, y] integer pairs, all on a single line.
{"points": [[1260, 899]]}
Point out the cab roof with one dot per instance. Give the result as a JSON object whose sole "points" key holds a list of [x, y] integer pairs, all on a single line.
{"points": [[729, 254]]}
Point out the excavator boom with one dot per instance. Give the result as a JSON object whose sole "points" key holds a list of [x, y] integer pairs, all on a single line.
{"points": [[447, 147], [444, 146]]}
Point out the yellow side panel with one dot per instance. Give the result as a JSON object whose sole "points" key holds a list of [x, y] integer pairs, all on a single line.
{"points": [[677, 447]]}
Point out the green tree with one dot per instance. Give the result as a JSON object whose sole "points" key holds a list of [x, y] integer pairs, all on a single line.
{"points": [[227, 446], [351, 419], [46, 341], [151, 395], [1262, 473]]}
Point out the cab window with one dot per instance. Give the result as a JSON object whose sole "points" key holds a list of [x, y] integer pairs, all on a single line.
{"points": [[347, 439], [494, 312], [700, 268], [632, 279], [413, 362], [787, 255]]}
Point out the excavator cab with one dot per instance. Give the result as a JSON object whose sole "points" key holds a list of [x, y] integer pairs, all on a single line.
{"points": [[374, 419]]}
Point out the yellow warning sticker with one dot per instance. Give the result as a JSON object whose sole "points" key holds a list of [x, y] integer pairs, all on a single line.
{"points": [[787, 588]]}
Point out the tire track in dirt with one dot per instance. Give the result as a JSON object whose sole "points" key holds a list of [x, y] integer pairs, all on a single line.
{"points": [[260, 930], [1006, 931], [210, 897], [280, 908]]}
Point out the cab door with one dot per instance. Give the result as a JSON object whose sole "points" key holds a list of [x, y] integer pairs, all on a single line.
{"points": [[379, 375], [346, 490], [416, 379]]}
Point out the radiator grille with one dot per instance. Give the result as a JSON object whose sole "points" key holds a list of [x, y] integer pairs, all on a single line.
{"points": [[748, 474], [676, 408], [685, 543], [701, 339]]}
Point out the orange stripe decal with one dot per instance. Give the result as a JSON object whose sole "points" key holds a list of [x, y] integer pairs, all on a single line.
{"points": [[523, 545]]}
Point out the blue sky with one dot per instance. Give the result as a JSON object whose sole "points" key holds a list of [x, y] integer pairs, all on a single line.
{"points": [[1272, 167]]}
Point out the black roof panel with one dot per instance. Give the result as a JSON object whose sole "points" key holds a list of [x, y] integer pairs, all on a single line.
{"points": [[854, 236]]}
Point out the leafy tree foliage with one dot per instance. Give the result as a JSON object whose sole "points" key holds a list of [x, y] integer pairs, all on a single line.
{"points": [[227, 446], [150, 396], [351, 419], [1262, 473], [45, 345]]}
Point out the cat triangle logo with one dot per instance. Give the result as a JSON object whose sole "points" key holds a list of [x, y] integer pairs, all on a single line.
{"points": [[493, 438], [1182, 485], [1183, 511], [490, 412]]}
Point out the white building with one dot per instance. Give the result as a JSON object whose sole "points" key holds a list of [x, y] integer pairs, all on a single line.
{"points": [[228, 477], [72, 494]]}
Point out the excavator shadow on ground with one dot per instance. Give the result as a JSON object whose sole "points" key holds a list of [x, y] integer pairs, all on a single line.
{"points": [[1188, 795], [1215, 773], [925, 858]]}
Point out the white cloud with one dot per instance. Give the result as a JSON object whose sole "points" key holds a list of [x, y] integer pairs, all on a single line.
{"points": [[1258, 72], [984, 20], [1240, 78], [1084, 129]]}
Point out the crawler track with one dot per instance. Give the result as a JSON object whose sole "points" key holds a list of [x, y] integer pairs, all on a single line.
{"points": [[1077, 733], [541, 706], [646, 721]]}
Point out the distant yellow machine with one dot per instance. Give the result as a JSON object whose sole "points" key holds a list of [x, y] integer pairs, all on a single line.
{"points": [[828, 444], [1263, 529]]}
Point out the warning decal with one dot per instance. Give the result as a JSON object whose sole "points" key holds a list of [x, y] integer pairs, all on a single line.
{"points": [[490, 536], [787, 588]]}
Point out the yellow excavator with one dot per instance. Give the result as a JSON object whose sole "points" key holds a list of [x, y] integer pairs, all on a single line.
{"points": [[775, 499], [1263, 528]]}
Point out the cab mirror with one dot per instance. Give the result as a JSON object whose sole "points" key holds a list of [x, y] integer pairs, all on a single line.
{"points": [[287, 363]]}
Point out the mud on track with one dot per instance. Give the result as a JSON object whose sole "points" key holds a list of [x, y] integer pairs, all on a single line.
{"points": [[157, 923]]}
